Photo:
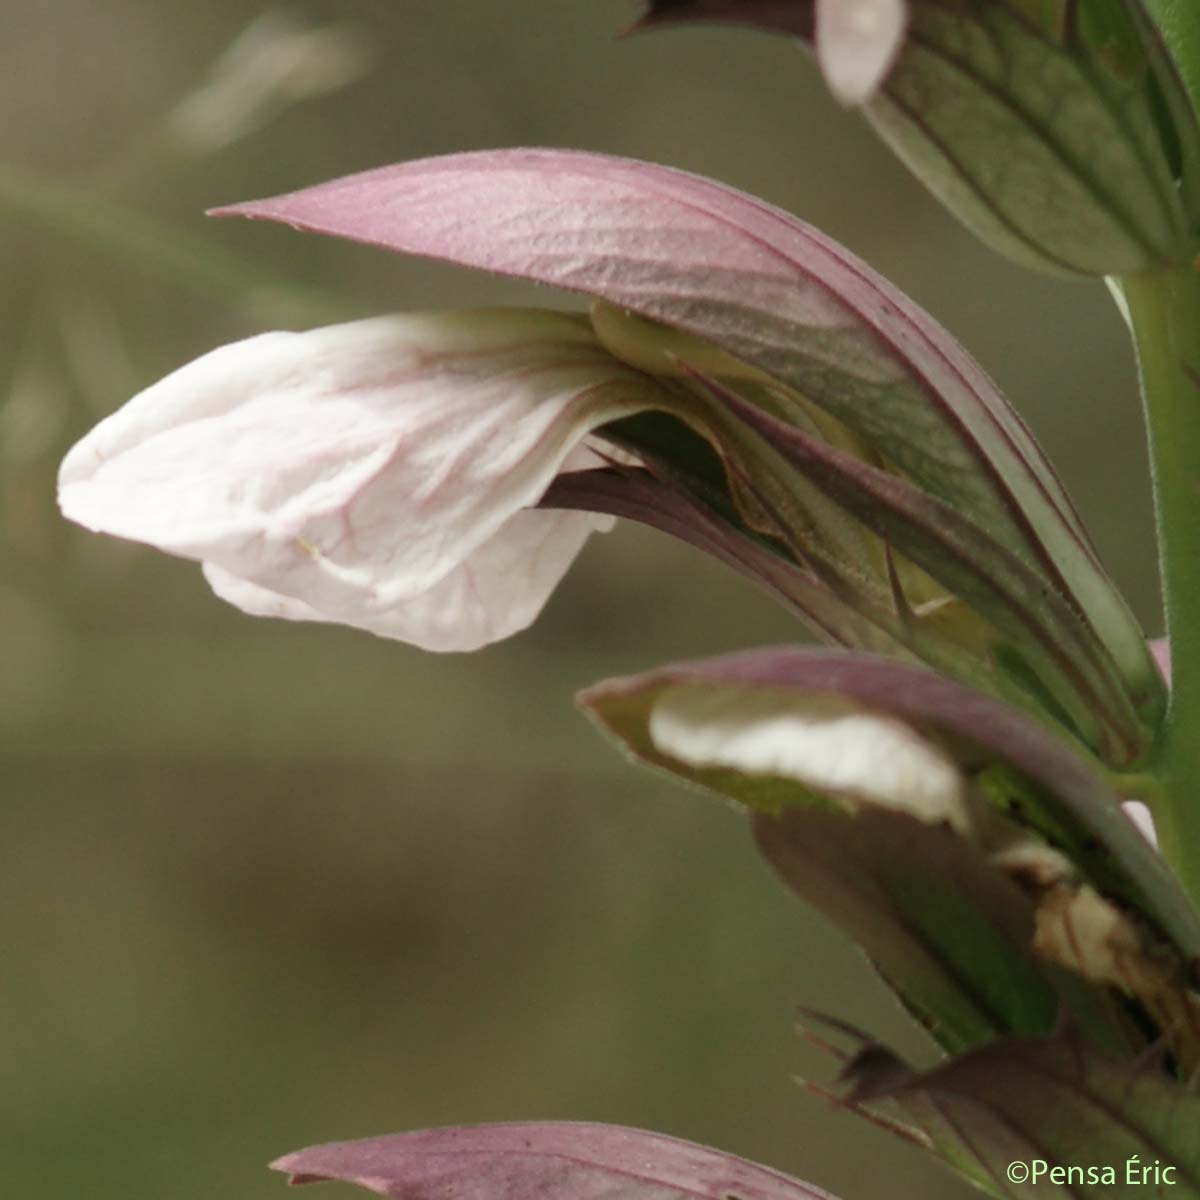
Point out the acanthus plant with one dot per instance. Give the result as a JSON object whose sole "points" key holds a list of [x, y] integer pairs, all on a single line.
{"points": [[949, 782]]}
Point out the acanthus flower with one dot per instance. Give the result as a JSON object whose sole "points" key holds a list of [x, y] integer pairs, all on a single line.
{"points": [[821, 432], [378, 474]]}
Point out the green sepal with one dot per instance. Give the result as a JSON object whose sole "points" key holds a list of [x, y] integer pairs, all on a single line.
{"points": [[1054, 145]]}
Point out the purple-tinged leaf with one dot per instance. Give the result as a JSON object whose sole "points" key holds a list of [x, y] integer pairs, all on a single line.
{"points": [[637, 495], [1055, 1101], [558, 1160], [769, 290], [1061, 791]]}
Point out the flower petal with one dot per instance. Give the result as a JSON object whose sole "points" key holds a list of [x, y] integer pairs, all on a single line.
{"points": [[256, 600], [857, 42], [370, 474], [1142, 818], [820, 742], [496, 592], [1161, 649]]}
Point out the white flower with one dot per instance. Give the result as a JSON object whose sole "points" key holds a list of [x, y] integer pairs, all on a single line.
{"points": [[377, 474], [857, 43]]}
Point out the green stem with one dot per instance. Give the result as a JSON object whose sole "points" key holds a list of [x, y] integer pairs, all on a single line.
{"points": [[1165, 312]]}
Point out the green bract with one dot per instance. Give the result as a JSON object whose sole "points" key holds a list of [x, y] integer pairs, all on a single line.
{"points": [[1066, 144]]}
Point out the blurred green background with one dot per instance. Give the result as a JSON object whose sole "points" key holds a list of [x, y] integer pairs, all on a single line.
{"points": [[264, 885]]}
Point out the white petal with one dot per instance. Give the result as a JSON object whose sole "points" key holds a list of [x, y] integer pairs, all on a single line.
{"points": [[255, 600], [857, 43], [359, 474], [498, 591], [1143, 820], [821, 743]]}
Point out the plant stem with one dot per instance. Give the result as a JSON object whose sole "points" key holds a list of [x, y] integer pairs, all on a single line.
{"points": [[1165, 312]]}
